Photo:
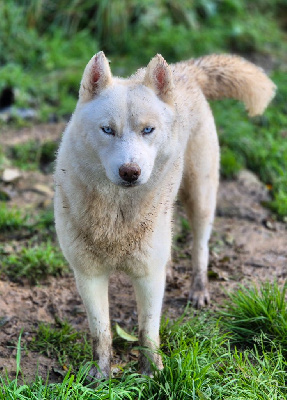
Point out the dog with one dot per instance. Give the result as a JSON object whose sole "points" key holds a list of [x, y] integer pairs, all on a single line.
{"points": [[130, 147]]}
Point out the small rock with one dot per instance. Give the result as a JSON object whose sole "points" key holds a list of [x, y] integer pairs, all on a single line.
{"points": [[8, 113], [249, 179], [11, 175], [4, 320], [269, 224]]}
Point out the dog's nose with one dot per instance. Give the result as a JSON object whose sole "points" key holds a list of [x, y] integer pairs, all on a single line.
{"points": [[130, 172]]}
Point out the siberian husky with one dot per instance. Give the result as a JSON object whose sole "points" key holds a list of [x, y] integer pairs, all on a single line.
{"points": [[131, 146]]}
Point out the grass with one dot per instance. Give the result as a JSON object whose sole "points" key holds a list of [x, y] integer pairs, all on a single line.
{"points": [[254, 311], [62, 342], [200, 359], [258, 144], [32, 155], [34, 263], [45, 221], [11, 219], [131, 32]]}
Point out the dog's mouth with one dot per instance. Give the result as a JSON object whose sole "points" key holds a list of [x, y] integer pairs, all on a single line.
{"points": [[128, 185]]}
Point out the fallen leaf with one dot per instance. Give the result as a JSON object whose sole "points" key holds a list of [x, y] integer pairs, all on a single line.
{"points": [[124, 335]]}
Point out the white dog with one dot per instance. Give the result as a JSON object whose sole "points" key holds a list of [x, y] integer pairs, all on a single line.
{"points": [[130, 146]]}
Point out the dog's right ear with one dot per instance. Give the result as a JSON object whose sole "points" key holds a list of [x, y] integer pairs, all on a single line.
{"points": [[97, 76], [158, 77]]}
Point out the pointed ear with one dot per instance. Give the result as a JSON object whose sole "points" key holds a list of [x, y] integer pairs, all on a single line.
{"points": [[97, 76], [158, 77]]}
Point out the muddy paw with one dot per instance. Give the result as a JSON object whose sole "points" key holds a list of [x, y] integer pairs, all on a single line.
{"points": [[148, 366], [199, 298]]}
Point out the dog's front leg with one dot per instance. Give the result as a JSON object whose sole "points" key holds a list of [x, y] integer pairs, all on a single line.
{"points": [[149, 294], [94, 293]]}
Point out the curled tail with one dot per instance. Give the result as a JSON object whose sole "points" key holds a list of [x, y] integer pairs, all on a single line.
{"points": [[221, 76]]}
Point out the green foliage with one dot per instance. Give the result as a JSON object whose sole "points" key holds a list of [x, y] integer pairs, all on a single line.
{"points": [[259, 144], [73, 388], [34, 263], [62, 342], [45, 220], [252, 312], [11, 219], [32, 154], [2, 157], [230, 164], [45, 66], [199, 363], [25, 155]]}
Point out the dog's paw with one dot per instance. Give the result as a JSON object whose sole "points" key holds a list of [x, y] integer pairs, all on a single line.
{"points": [[199, 298], [95, 374], [169, 272], [148, 366]]}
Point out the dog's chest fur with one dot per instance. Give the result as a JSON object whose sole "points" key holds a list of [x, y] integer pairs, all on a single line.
{"points": [[112, 231]]}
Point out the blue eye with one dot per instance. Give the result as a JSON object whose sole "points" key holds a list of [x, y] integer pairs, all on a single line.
{"points": [[147, 130], [108, 130]]}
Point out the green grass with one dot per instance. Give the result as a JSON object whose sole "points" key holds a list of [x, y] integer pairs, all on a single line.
{"points": [[32, 155], [44, 68], [251, 312], [11, 219], [62, 342], [45, 221], [34, 263], [200, 362]]}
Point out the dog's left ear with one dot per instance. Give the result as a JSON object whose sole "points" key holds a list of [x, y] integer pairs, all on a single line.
{"points": [[97, 76], [158, 77]]}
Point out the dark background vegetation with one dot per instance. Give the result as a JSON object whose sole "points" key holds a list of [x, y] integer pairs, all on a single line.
{"points": [[45, 45]]}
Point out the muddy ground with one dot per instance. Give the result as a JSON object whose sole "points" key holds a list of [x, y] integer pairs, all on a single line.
{"points": [[247, 246]]}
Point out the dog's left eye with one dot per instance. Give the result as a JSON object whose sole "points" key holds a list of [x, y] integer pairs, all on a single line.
{"points": [[147, 130], [108, 130]]}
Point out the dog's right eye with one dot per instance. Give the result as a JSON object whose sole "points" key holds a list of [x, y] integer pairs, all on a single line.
{"points": [[108, 130]]}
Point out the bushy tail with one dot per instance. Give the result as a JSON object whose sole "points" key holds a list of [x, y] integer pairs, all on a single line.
{"points": [[221, 76]]}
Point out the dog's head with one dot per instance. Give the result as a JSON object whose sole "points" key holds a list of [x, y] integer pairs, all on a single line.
{"points": [[127, 123]]}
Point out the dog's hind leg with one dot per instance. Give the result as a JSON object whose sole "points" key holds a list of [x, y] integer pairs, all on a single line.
{"points": [[94, 293], [198, 194]]}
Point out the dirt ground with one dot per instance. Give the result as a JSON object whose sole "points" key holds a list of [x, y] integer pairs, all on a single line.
{"points": [[247, 246]]}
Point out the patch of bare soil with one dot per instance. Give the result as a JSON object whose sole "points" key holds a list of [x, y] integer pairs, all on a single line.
{"points": [[247, 246]]}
